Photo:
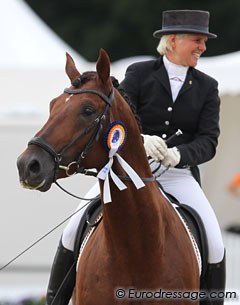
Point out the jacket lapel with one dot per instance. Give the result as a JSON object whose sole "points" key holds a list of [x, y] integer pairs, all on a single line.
{"points": [[162, 76], [188, 82]]}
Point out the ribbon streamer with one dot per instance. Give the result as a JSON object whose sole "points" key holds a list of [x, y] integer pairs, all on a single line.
{"points": [[107, 169]]}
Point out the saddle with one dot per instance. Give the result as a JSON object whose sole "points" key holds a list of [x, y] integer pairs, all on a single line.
{"points": [[196, 227], [91, 219]]}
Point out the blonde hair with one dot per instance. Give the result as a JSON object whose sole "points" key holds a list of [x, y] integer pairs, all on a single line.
{"points": [[164, 45]]}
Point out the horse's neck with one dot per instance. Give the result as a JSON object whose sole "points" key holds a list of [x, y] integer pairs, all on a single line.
{"points": [[134, 215]]}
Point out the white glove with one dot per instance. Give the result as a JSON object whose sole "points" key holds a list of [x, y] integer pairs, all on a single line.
{"points": [[172, 158], [155, 147]]}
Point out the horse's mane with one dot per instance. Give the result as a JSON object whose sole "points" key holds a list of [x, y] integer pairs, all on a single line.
{"points": [[87, 76]]}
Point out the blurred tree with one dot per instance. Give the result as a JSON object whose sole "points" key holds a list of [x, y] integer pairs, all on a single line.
{"points": [[125, 28]]}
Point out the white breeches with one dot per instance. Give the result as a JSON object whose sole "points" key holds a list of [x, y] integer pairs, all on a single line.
{"points": [[69, 233], [181, 184]]}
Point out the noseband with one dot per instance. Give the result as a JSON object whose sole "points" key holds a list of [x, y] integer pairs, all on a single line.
{"points": [[97, 124]]}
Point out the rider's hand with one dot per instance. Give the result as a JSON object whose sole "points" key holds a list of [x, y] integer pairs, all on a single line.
{"points": [[155, 147], [172, 158]]}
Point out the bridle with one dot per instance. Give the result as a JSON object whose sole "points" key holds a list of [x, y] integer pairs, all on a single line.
{"points": [[75, 166]]}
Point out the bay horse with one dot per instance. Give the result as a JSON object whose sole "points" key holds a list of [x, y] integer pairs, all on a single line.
{"points": [[141, 247]]}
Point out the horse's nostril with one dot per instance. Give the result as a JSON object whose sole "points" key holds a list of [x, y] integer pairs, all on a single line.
{"points": [[34, 166]]}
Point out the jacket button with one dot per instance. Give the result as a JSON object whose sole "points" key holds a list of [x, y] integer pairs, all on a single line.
{"points": [[166, 122], [169, 109], [164, 136]]}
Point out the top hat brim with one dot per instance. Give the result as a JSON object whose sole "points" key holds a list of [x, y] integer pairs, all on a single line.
{"points": [[160, 33]]}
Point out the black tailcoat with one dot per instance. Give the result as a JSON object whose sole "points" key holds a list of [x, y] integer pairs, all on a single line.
{"points": [[195, 111]]}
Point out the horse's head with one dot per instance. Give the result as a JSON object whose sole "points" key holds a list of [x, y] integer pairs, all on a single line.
{"points": [[72, 135]]}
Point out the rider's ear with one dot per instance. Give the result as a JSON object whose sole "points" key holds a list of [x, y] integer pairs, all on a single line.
{"points": [[71, 69], [103, 67]]}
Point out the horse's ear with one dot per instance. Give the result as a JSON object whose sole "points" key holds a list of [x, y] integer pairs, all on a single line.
{"points": [[70, 68], [103, 66]]}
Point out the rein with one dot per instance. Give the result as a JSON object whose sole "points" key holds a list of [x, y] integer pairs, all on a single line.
{"points": [[94, 174], [42, 237]]}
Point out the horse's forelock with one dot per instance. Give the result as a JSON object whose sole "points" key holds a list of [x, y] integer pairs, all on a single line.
{"points": [[83, 79]]}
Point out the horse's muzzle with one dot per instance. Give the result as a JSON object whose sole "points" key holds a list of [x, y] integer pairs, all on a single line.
{"points": [[36, 169]]}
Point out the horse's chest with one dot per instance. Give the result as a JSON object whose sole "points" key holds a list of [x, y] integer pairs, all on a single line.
{"points": [[96, 276]]}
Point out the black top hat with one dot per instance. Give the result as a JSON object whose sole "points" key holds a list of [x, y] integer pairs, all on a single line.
{"points": [[184, 21]]}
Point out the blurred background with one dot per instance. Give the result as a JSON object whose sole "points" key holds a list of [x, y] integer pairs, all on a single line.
{"points": [[35, 34]]}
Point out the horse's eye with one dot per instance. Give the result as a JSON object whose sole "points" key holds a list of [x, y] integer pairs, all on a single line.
{"points": [[88, 110]]}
